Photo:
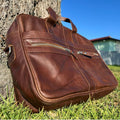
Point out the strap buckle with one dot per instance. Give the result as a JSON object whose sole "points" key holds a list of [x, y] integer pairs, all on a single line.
{"points": [[10, 50]]}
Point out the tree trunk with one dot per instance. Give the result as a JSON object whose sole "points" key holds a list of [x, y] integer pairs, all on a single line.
{"points": [[8, 11]]}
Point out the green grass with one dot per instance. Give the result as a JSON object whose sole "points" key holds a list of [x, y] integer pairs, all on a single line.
{"points": [[116, 71], [105, 108]]}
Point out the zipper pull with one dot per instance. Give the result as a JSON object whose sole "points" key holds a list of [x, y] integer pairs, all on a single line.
{"points": [[71, 52], [88, 54]]}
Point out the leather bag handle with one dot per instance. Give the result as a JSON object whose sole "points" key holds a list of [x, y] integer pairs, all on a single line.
{"points": [[54, 18], [60, 18]]}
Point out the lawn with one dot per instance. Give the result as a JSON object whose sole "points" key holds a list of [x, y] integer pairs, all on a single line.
{"points": [[105, 108]]}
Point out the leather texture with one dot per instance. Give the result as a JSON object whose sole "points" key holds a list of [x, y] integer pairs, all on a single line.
{"points": [[53, 66]]}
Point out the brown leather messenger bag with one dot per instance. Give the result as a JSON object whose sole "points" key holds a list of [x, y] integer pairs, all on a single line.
{"points": [[53, 66]]}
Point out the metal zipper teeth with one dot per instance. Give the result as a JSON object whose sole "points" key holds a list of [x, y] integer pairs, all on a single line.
{"points": [[60, 47], [55, 46], [63, 48], [51, 45]]}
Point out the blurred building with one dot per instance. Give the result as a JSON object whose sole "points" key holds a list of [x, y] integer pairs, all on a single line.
{"points": [[109, 49]]}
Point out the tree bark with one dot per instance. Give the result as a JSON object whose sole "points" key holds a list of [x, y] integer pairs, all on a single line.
{"points": [[8, 11]]}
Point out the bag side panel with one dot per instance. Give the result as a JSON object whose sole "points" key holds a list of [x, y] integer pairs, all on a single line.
{"points": [[22, 78]]}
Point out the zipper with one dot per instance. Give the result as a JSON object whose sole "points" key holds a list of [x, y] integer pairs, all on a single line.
{"points": [[50, 45], [55, 46], [87, 54]]}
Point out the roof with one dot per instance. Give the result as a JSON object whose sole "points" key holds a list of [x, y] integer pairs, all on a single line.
{"points": [[104, 38]]}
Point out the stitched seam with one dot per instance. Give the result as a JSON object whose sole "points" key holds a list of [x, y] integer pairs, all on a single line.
{"points": [[84, 77], [81, 93], [74, 60], [26, 60], [75, 94], [79, 59], [81, 72], [76, 63]]}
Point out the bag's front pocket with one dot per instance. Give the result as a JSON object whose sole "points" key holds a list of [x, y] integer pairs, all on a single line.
{"points": [[54, 70]]}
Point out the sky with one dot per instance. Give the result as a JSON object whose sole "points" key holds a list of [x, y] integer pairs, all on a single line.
{"points": [[93, 18]]}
